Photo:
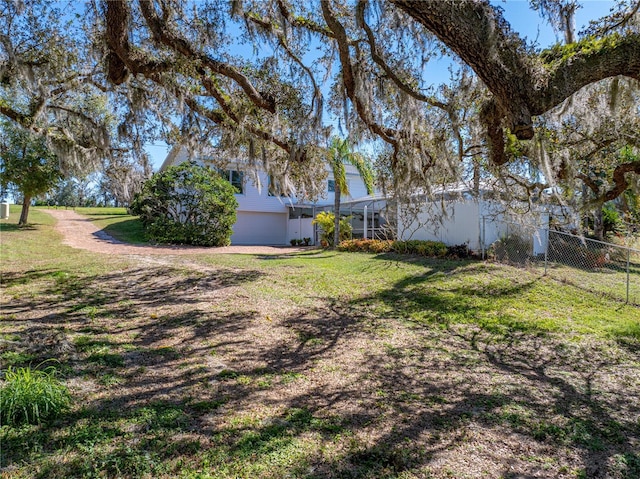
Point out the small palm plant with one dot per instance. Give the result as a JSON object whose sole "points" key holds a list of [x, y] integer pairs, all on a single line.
{"points": [[30, 396], [340, 154]]}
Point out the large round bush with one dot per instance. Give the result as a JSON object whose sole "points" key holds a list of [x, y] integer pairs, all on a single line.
{"points": [[187, 204]]}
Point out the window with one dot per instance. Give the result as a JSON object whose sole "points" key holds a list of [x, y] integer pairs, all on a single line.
{"points": [[299, 212], [236, 178], [331, 186]]}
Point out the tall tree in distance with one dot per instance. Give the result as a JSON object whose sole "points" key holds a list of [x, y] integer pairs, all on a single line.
{"points": [[340, 154], [26, 164]]}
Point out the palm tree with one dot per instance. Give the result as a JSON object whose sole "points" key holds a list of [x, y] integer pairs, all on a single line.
{"points": [[340, 154]]}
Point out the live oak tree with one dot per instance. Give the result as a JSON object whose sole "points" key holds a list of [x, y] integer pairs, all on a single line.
{"points": [[594, 143], [587, 144], [52, 83], [523, 84], [49, 83], [380, 47], [181, 66]]}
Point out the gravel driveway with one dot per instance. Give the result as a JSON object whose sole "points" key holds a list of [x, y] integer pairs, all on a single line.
{"points": [[81, 232]]}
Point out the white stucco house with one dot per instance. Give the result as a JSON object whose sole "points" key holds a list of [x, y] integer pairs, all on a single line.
{"points": [[266, 219], [453, 215]]}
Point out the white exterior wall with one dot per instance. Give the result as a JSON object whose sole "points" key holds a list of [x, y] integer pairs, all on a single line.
{"points": [[257, 199], [462, 225], [300, 228], [357, 188], [470, 221]]}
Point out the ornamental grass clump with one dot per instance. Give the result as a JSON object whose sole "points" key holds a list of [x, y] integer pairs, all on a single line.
{"points": [[31, 396]]}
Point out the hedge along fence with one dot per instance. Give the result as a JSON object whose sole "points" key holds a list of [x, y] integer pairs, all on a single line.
{"points": [[431, 249]]}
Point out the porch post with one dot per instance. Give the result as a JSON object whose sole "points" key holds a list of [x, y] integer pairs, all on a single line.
{"points": [[365, 221], [373, 218]]}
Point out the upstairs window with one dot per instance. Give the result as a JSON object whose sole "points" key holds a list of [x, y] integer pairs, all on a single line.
{"points": [[331, 186], [236, 178]]}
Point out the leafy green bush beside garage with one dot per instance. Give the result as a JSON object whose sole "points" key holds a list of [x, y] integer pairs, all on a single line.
{"points": [[187, 204]]}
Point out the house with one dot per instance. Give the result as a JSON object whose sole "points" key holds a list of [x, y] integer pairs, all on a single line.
{"points": [[452, 215], [264, 218]]}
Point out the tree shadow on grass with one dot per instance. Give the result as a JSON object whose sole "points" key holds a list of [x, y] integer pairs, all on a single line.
{"points": [[333, 391], [585, 423], [431, 297], [302, 254], [13, 278], [104, 304], [12, 227]]}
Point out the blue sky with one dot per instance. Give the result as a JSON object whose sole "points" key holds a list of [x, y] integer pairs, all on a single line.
{"points": [[523, 21]]}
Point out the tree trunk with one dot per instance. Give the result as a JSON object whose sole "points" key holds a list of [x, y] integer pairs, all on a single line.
{"points": [[336, 212], [598, 224], [26, 202], [476, 177]]}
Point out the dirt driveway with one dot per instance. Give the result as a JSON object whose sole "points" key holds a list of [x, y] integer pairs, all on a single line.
{"points": [[80, 232]]}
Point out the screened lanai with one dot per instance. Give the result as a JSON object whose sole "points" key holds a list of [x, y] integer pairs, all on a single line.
{"points": [[370, 217]]}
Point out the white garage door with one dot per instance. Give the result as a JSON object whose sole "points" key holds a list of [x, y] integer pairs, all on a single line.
{"points": [[260, 228]]}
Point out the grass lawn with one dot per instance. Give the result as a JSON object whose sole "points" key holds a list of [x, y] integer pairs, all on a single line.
{"points": [[117, 223], [314, 365]]}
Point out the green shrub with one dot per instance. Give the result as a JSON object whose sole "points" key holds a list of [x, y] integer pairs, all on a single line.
{"points": [[365, 246], [326, 221], [612, 223], [31, 396], [512, 248], [419, 247], [187, 204], [416, 247]]}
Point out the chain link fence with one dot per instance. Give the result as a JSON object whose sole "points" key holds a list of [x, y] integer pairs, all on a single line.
{"points": [[592, 265]]}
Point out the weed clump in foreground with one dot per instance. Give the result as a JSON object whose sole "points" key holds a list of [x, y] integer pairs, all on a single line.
{"points": [[30, 396]]}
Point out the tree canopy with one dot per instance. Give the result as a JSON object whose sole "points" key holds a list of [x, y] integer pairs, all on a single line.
{"points": [[26, 164], [251, 77]]}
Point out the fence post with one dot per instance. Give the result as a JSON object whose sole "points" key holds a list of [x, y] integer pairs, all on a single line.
{"points": [[628, 271], [484, 236], [546, 253]]}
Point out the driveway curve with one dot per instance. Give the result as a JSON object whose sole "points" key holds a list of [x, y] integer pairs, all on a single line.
{"points": [[80, 232]]}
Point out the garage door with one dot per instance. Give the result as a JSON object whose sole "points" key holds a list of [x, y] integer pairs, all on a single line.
{"points": [[260, 228]]}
